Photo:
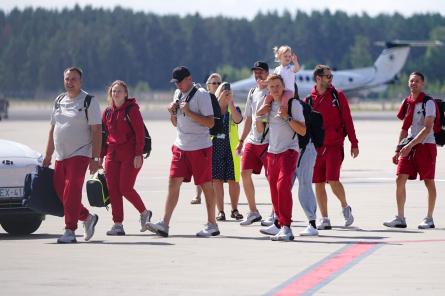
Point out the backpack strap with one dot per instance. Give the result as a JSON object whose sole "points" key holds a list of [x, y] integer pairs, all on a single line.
{"points": [[309, 100], [336, 102], [251, 91], [265, 131], [58, 100], [289, 112], [191, 94], [86, 104], [425, 100], [127, 116]]}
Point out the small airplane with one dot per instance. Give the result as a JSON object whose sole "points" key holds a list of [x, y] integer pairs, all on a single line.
{"points": [[361, 81]]}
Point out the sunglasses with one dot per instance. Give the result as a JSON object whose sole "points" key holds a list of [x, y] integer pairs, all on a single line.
{"points": [[214, 83], [328, 76]]}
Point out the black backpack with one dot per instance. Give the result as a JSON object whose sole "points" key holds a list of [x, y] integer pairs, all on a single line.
{"points": [[86, 103], [312, 119], [217, 128], [439, 123], [314, 125], [147, 138]]}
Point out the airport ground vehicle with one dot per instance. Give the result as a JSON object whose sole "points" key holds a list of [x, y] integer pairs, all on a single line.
{"points": [[17, 160]]}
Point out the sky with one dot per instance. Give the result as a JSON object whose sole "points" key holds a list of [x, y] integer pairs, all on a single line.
{"points": [[243, 8]]}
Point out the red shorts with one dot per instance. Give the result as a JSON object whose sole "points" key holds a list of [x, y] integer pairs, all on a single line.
{"points": [[254, 158], [196, 163], [421, 160], [328, 164]]}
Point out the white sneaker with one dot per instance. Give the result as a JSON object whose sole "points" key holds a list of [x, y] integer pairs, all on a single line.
{"points": [[426, 223], [252, 217], [145, 218], [271, 230], [347, 214], [268, 221], [116, 229], [325, 224], [309, 231], [285, 234], [68, 237], [160, 228], [89, 225], [397, 222], [209, 230]]}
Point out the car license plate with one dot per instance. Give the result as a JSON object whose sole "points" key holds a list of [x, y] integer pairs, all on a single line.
{"points": [[6, 192]]}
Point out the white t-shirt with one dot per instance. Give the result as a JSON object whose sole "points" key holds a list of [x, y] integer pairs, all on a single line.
{"points": [[280, 132], [253, 103], [72, 132], [191, 135], [419, 121], [288, 76]]}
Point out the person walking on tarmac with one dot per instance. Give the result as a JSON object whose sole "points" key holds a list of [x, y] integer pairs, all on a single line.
{"points": [[337, 123], [191, 112], [418, 156], [75, 136], [225, 162], [252, 145], [282, 155], [124, 126]]}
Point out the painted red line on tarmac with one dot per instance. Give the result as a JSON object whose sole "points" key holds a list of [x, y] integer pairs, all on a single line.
{"points": [[327, 269]]}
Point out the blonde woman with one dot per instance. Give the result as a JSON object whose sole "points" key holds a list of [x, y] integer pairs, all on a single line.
{"points": [[225, 162]]}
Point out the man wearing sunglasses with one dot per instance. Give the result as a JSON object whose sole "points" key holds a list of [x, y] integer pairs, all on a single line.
{"points": [[337, 123]]}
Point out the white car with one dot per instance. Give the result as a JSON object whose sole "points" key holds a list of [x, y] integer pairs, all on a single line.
{"points": [[17, 160]]}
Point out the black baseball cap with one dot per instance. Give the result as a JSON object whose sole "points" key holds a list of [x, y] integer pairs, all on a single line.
{"points": [[261, 65], [179, 73]]}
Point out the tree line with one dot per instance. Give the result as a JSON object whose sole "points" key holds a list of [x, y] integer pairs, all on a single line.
{"points": [[142, 48]]}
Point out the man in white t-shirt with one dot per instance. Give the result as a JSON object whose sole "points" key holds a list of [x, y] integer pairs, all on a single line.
{"points": [[282, 155], [191, 112], [418, 156], [255, 147], [75, 135]]}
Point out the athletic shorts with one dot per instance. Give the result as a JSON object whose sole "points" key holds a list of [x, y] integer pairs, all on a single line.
{"points": [[196, 163], [421, 160], [328, 163], [254, 158]]}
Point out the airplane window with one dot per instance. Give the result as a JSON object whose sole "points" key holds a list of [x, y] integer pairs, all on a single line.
{"points": [[300, 78], [307, 78], [351, 79]]}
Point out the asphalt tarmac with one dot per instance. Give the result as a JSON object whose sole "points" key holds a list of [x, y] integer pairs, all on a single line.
{"points": [[365, 259]]}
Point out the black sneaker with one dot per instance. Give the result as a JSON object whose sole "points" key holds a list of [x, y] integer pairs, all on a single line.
{"points": [[236, 215], [221, 216]]}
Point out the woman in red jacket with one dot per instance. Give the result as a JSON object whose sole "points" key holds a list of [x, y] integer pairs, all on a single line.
{"points": [[124, 125]]}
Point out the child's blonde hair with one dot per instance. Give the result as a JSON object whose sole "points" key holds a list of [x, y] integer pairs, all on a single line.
{"points": [[279, 51]]}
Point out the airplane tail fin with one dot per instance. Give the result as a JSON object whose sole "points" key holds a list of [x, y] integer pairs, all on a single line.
{"points": [[392, 59]]}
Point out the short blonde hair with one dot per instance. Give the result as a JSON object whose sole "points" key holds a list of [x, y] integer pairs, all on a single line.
{"points": [[279, 51], [214, 75]]}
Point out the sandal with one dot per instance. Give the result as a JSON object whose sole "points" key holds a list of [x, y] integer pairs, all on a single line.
{"points": [[196, 201], [221, 216], [236, 215]]}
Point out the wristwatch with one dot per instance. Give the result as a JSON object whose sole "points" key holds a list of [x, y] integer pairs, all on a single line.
{"points": [[95, 158]]}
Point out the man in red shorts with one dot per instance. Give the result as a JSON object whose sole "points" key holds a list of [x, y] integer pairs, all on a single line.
{"points": [[191, 113], [418, 113], [337, 123], [254, 156]]}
